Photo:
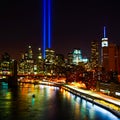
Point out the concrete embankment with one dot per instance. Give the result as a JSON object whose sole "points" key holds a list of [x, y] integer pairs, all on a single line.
{"points": [[112, 105], [95, 99]]}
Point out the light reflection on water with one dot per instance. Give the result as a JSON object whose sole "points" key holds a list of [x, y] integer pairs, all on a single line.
{"points": [[49, 103]]}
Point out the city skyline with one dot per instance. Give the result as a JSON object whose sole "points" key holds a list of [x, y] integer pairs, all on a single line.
{"points": [[74, 25]]}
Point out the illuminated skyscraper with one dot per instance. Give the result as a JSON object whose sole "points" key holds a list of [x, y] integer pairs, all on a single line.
{"points": [[104, 47], [50, 56], [94, 54], [70, 58], [39, 61], [39, 55], [30, 53], [77, 56], [110, 55], [49, 61], [46, 25], [111, 59], [104, 39]]}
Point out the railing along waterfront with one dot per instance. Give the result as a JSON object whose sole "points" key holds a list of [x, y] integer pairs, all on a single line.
{"points": [[93, 97], [107, 103]]}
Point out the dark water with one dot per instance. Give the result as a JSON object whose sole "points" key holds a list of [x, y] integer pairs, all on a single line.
{"points": [[49, 103]]}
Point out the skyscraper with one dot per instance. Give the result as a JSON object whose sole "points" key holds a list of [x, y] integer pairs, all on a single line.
{"points": [[110, 55], [46, 26], [104, 46], [111, 59], [77, 56], [104, 39], [50, 56], [94, 54]]}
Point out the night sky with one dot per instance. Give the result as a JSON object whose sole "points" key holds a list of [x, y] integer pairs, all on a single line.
{"points": [[75, 23]]}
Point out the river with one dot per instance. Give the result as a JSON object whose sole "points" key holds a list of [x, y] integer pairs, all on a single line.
{"points": [[49, 103]]}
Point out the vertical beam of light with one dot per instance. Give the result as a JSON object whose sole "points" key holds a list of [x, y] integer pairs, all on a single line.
{"points": [[49, 23], [44, 27], [104, 32]]}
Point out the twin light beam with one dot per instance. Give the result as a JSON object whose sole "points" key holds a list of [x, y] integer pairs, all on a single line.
{"points": [[46, 25]]}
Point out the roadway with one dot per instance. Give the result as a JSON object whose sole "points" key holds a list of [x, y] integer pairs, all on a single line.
{"points": [[108, 102]]}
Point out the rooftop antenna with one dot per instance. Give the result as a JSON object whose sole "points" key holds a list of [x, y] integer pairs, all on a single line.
{"points": [[104, 31]]}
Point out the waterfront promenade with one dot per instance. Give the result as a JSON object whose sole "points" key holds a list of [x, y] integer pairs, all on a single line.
{"points": [[49, 103], [108, 102]]}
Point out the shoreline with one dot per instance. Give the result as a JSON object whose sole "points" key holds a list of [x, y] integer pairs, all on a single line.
{"points": [[91, 97]]}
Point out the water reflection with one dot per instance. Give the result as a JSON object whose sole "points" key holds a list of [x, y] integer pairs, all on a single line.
{"points": [[49, 103]]}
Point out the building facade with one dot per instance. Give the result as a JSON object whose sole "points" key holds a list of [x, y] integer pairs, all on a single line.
{"points": [[94, 54], [76, 57], [111, 58], [110, 55]]}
